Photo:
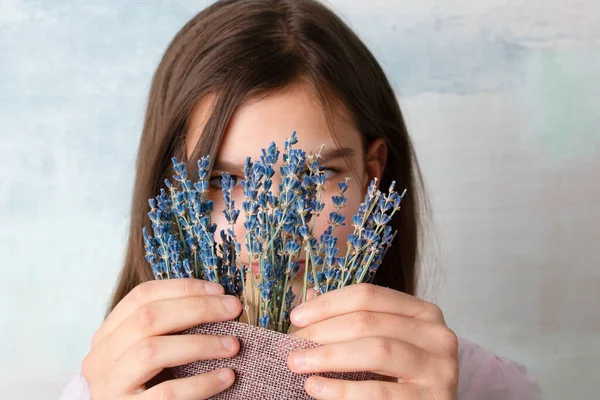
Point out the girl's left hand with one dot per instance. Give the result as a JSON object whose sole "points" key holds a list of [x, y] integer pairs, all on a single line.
{"points": [[370, 328]]}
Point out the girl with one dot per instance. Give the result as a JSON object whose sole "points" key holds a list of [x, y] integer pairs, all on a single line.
{"points": [[238, 76]]}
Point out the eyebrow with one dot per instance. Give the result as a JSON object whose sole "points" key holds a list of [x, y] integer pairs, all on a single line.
{"points": [[326, 155]]}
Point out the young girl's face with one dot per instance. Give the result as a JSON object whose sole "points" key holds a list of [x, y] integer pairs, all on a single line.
{"points": [[273, 118]]}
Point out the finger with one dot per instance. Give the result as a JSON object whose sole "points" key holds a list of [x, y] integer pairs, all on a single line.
{"points": [[152, 291], [297, 288], [337, 389], [363, 297], [432, 336], [293, 329], [195, 387], [149, 356], [168, 316], [382, 356], [311, 293]]}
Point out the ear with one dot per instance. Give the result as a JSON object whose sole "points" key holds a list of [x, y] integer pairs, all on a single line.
{"points": [[375, 160]]}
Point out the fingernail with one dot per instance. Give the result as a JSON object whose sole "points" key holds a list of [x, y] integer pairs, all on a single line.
{"points": [[231, 303], [228, 343], [213, 288], [316, 385], [300, 360], [297, 315], [225, 376]]}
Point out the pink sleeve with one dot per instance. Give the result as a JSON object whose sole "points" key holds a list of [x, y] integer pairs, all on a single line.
{"points": [[484, 375], [76, 389]]}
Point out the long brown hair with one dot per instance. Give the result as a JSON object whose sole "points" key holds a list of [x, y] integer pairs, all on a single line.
{"points": [[236, 50]]}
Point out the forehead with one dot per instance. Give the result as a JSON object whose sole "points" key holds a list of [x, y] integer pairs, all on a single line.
{"points": [[273, 118]]}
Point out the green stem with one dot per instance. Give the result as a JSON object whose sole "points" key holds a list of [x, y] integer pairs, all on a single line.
{"points": [[239, 267], [282, 306], [254, 289], [173, 198], [365, 269]]}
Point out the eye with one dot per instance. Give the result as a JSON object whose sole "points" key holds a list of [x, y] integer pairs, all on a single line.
{"points": [[215, 181], [327, 172]]}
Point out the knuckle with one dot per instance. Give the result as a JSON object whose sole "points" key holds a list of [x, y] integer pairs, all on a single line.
{"points": [[309, 333], [146, 319], [87, 367], [366, 290], [364, 321], [365, 294], [146, 350], [324, 353], [434, 393], [200, 346], [381, 392], [448, 340], [383, 348], [324, 305], [166, 391], [447, 373], [199, 305], [96, 339], [142, 293], [187, 287], [342, 392], [434, 311]]}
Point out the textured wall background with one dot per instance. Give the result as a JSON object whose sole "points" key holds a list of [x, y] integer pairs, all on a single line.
{"points": [[500, 97]]}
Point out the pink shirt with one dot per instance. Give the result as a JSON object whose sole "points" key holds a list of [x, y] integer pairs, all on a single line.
{"points": [[482, 376]]}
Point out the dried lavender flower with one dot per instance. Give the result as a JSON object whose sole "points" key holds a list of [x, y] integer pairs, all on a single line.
{"points": [[278, 228]]}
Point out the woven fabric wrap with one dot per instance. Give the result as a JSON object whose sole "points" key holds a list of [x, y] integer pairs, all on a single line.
{"points": [[261, 364]]}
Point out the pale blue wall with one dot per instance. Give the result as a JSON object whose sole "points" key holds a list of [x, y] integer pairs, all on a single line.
{"points": [[500, 97]]}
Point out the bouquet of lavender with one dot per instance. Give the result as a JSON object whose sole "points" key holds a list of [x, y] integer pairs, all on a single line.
{"points": [[278, 227]]}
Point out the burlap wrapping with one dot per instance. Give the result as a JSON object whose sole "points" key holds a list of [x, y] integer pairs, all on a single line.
{"points": [[261, 364]]}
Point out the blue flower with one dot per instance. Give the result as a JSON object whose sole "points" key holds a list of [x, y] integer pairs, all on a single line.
{"points": [[159, 270], [278, 228], [303, 231], [292, 268], [201, 187], [336, 219], [203, 167], [338, 201], [292, 248], [381, 219], [264, 321], [230, 212], [265, 289], [370, 236]]}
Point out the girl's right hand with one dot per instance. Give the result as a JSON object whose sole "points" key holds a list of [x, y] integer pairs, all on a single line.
{"points": [[132, 345]]}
